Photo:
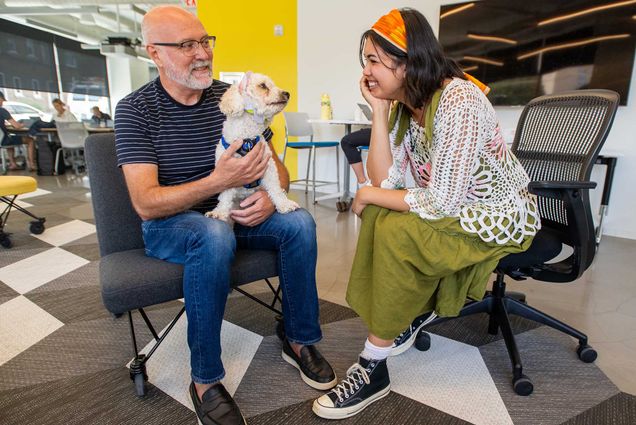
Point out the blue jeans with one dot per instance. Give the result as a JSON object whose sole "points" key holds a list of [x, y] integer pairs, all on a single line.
{"points": [[206, 248], [39, 125]]}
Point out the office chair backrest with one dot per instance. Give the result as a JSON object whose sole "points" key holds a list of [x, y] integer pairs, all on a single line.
{"points": [[297, 124], [118, 225], [559, 137], [72, 134]]}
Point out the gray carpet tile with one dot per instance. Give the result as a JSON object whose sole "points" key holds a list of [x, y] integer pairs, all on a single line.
{"points": [[79, 348], [270, 374], [106, 397], [564, 386], [246, 313], [6, 293], [73, 304], [473, 330], [50, 212], [393, 409], [85, 247], [24, 246], [618, 410], [84, 276]]}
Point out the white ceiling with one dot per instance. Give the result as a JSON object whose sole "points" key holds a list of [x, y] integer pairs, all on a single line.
{"points": [[87, 21]]}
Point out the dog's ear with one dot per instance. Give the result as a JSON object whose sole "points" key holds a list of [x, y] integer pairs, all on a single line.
{"points": [[245, 81], [231, 103]]}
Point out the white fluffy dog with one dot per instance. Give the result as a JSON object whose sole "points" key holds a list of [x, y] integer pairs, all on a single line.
{"points": [[250, 107]]}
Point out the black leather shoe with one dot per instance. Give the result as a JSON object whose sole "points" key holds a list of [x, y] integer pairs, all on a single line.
{"points": [[313, 368], [217, 407]]}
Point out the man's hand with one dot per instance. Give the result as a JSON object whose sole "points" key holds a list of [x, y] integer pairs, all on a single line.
{"points": [[256, 208], [236, 172]]}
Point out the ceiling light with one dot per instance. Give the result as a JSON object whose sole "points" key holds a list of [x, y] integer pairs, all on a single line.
{"points": [[571, 44], [585, 12], [483, 60], [456, 10], [491, 38]]}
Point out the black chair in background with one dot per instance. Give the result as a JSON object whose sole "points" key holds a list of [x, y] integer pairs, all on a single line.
{"points": [[132, 281], [558, 139]]}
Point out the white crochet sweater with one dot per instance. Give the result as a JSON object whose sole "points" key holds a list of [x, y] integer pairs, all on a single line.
{"points": [[467, 171]]}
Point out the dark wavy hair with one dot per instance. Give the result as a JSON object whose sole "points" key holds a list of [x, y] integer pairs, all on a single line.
{"points": [[426, 64]]}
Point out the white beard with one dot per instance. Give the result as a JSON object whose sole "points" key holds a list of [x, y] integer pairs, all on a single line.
{"points": [[186, 78]]}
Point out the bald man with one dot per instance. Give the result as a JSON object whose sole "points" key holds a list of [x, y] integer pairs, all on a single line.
{"points": [[166, 135]]}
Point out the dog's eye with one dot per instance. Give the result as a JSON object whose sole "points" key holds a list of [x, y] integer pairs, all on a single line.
{"points": [[263, 86]]}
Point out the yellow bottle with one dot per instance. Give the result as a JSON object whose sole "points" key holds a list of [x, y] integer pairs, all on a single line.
{"points": [[326, 112]]}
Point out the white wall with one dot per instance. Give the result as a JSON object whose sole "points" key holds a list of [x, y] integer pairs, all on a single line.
{"points": [[328, 41], [124, 76]]}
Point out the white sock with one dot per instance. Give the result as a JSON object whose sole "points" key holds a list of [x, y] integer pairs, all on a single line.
{"points": [[373, 352]]}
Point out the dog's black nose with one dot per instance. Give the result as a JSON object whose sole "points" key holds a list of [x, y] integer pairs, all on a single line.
{"points": [[286, 95]]}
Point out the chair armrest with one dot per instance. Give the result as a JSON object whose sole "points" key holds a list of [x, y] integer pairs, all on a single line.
{"points": [[538, 185], [559, 189]]}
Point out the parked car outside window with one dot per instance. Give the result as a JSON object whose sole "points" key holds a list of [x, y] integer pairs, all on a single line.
{"points": [[23, 112]]}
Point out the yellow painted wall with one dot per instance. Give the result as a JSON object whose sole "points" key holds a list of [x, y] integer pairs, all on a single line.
{"points": [[246, 42]]}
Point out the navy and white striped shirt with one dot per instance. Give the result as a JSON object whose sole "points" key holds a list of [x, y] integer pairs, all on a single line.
{"points": [[153, 128]]}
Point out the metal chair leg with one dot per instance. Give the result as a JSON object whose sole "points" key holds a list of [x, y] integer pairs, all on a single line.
{"points": [[308, 169], [314, 175]]}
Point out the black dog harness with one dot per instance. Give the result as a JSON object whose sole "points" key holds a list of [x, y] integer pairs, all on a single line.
{"points": [[247, 146]]}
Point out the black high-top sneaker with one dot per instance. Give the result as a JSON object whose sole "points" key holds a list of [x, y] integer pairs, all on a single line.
{"points": [[404, 341], [367, 381]]}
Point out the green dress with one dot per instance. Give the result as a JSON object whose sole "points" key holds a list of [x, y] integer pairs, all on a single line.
{"points": [[405, 266]]}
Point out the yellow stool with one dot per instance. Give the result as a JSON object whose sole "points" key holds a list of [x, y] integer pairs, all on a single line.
{"points": [[10, 188]]}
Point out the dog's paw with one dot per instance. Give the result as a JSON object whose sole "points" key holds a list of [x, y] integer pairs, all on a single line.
{"points": [[217, 215], [287, 206]]}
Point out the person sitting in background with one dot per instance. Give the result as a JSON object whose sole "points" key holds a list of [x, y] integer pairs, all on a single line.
{"points": [[13, 140], [61, 115], [99, 117], [350, 144]]}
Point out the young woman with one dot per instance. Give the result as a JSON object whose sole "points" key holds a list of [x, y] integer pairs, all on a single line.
{"points": [[423, 251]]}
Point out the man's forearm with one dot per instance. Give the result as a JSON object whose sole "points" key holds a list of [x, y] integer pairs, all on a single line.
{"points": [[154, 201]]}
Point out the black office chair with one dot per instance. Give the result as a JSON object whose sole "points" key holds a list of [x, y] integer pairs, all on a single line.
{"points": [[132, 281], [558, 139]]}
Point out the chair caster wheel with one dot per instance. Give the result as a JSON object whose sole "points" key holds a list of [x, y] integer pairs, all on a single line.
{"points": [[422, 341], [343, 206], [586, 353], [5, 241], [36, 227], [280, 328], [522, 385]]}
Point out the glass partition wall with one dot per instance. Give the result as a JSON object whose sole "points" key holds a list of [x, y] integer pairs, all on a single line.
{"points": [[37, 67]]}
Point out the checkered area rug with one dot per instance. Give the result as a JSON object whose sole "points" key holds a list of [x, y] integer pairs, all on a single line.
{"points": [[63, 357]]}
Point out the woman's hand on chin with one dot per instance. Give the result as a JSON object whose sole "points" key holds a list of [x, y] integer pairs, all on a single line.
{"points": [[376, 104]]}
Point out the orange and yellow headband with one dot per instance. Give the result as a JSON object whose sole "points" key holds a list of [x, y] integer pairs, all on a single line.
{"points": [[391, 27]]}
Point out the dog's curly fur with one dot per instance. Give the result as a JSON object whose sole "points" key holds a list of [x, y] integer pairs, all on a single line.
{"points": [[257, 94]]}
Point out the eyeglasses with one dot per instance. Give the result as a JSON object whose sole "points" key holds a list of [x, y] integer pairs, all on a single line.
{"points": [[189, 47]]}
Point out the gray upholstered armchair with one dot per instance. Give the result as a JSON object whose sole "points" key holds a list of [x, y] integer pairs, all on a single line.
{"points": [[129, 279]]}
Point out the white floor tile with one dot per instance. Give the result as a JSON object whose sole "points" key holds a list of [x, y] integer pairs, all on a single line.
{"points": [[169, 367], [22, 324], [67, 232], [37, 192], [451, 377], [32, 272], [22, 204]]}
